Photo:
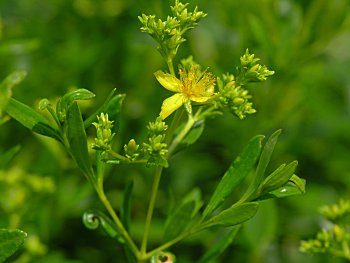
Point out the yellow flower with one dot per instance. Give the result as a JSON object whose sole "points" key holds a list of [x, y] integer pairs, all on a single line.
{"points": [[193, 85]]}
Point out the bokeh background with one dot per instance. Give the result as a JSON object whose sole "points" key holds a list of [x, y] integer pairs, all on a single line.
{"points": [[97, 45]]}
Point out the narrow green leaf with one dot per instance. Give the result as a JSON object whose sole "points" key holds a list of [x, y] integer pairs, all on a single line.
{"points": [[219, 247], [298, 182], [287, 190], [125, 211], [279, 177], [13, 79], [77, 140], [114, 108], [66, 101], [181, 216], [262, 164], [6, 87], [179, 220], [10, 241], [196, 196], [232, 216], [237, 172], [192, 136], [265, 157], [31, 119], [7, 156], [93, 117]]}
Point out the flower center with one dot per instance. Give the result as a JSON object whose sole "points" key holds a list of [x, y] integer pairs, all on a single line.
{"points": [[196, 83]]}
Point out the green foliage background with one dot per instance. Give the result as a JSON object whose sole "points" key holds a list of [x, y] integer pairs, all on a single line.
{"points": [[97, 45]]}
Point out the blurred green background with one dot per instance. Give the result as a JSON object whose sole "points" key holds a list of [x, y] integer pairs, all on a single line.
{"points": [[97, 45]]}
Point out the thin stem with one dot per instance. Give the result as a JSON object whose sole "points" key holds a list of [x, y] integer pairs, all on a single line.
{"points": [[152, 202], [170, 64], [174, 124], [190, 122], [118, 156], [125, 159], [173, 241], [130, 243], [54, 116]]}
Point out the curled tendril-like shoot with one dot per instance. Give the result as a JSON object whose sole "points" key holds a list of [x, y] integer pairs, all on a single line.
{"points": [[92, 219]]}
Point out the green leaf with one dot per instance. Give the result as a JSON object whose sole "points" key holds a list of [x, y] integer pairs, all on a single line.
{"points": [[113, 109], [180, 219], [6, 87], [125, 211], [31, 119], [262, 164], [237, 172], [10, 241], [219, 247], [298, 182], [77, 140], [93, 117], [66, 101], [236, 214], [289, 189], [279, 177], [112, 106], [7, 156], [192, 136]]}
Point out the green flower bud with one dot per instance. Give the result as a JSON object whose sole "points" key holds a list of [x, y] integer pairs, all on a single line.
{"points": [[104, 135]]}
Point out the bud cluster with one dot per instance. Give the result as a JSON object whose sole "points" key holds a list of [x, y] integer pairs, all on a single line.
{"points": [[155, 147], [104, 135], [334, 240], [169, 33], [232, 97], [251, 71], [336, 213]]}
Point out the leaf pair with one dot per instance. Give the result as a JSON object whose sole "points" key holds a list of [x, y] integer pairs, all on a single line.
{"points": [[282, 182]]}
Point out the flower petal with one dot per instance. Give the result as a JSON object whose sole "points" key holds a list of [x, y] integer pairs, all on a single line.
{"points": [[168, 81], [171, 104], [199, 99]]}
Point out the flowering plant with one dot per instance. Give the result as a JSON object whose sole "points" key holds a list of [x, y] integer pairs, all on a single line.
{"points": [[198, 95]]}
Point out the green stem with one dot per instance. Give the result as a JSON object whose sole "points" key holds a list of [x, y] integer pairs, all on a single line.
{"points": [[174, 124], [190, 122], [170, 64], [156, 180], [125, 159], [118, 156], [130, 243], [173, 241], [152, 202]]}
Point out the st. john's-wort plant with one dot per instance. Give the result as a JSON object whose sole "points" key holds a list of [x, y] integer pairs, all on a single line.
{"points": [[196, 95]]}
